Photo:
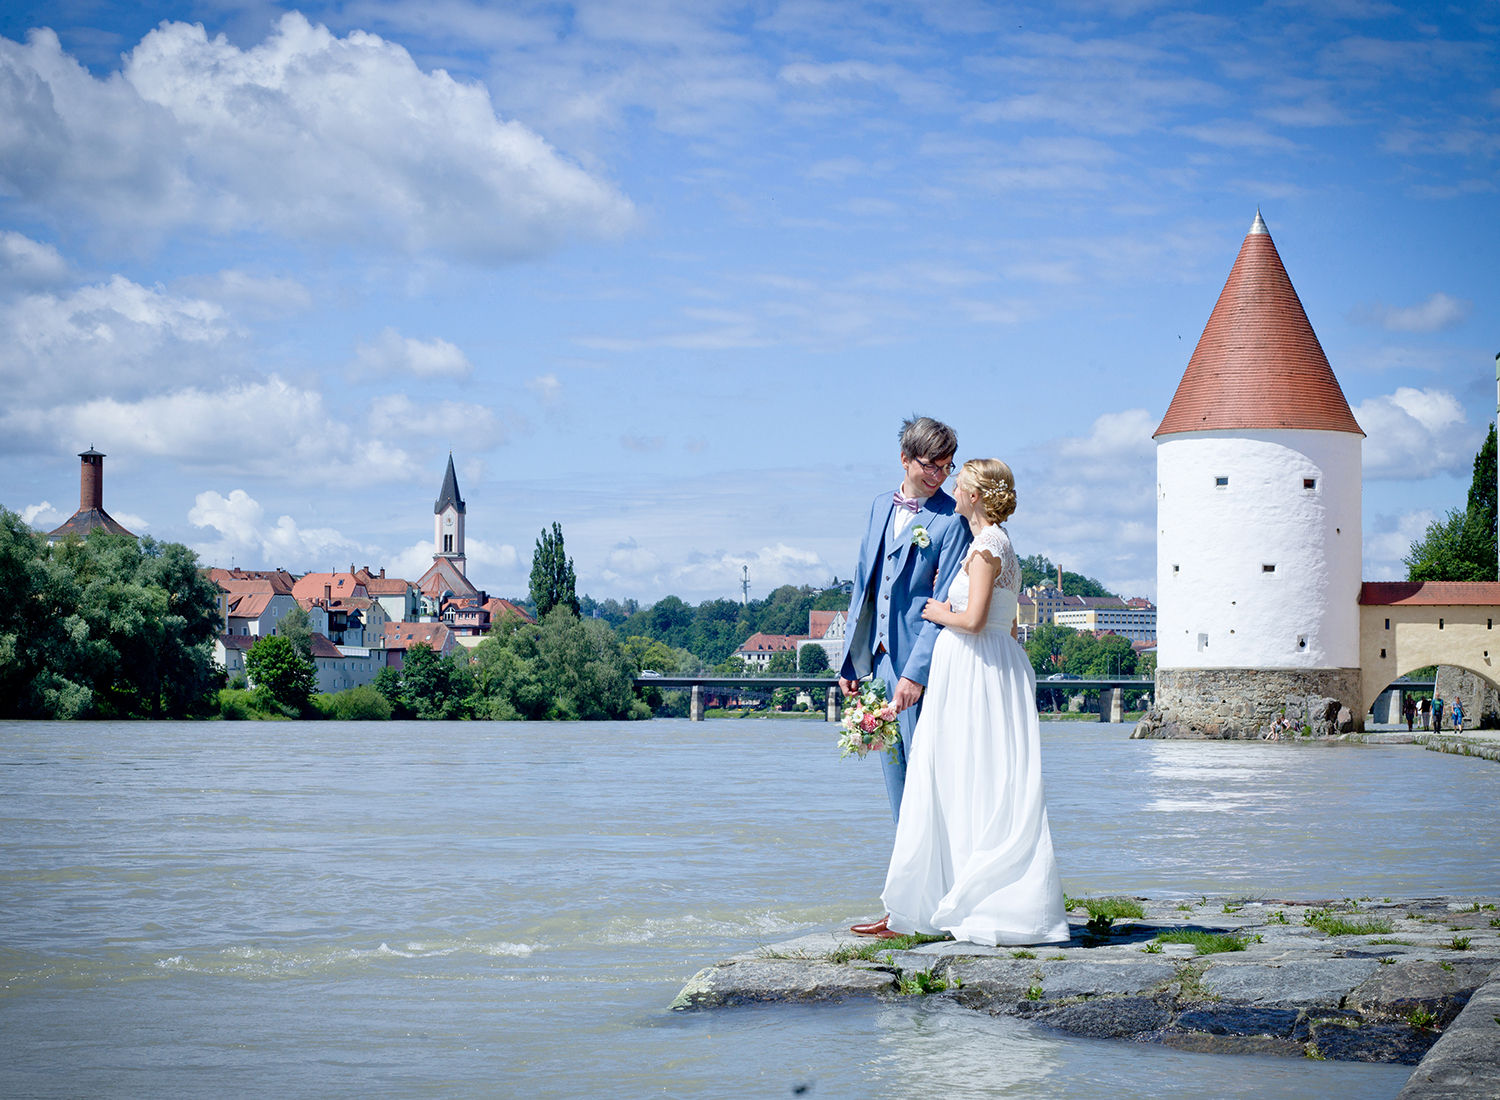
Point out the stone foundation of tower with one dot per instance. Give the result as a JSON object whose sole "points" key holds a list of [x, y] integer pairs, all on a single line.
{"points": [[1242, 703]]}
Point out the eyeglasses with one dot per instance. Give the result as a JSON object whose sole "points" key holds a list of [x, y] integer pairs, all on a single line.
{"points": [[933, 468]]}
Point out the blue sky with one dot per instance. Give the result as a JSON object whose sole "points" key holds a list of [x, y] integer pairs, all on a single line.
{"points": [[671, 273]]}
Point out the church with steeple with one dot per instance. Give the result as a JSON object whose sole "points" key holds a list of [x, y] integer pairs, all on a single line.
{"points": [[445, 580]]}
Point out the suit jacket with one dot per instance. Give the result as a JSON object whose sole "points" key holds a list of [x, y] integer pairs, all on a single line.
{"points": [[894, 580]]}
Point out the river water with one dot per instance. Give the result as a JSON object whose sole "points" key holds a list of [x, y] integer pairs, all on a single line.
{"points": [[496, 909]]}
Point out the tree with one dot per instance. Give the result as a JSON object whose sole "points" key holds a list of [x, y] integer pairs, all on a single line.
{"points": [[782, 663], [433, 686], [296, 627], [552, 581], [281, 673], [1038, 569], [812, 660], [1462, 547]]}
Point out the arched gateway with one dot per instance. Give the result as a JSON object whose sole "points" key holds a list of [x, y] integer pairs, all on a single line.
{"points": [[1412, 624]]}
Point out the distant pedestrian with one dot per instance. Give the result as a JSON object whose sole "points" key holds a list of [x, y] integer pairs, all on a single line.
{"points": [[1458, 715], [1409, 708], [1424, 712], [1437, 715]]}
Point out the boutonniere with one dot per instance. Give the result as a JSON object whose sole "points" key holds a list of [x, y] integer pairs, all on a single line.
{"points": [[920, 536]]}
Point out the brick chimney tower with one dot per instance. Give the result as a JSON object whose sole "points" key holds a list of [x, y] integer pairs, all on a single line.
{"points": [[91, 511]]}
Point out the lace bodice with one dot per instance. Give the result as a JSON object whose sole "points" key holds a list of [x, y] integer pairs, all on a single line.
{"points": [[995, 545]]}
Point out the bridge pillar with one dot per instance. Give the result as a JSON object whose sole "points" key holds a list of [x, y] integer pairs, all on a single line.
{"points": [[833, 704], [695, 706], [1117, 704]]}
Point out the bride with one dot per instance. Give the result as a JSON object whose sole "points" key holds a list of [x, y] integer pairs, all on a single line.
{"points": [[973, 854]]}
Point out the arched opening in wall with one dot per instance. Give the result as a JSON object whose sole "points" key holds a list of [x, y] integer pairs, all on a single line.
{"points": [[1479, 690]]}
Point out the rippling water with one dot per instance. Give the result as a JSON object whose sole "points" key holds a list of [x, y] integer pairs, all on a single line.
{"points": [[484, 909]]}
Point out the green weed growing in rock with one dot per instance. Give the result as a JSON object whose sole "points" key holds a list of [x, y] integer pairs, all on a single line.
{"points": [[1229, 907], [1206, 943], [921, 983], [1103, 912], [1056, 958], [1152, 948], [1422, 1019], [1331, 924], [1023, 954], [1459, 943], [1445, 966], [1495, 922], [1279, 917], [1034, 992], [1387, 960], [1185, 907]]}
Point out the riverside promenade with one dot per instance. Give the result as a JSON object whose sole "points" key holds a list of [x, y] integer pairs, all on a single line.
{"points": [[1410, 981]]}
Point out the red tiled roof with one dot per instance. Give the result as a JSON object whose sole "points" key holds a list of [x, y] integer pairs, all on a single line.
{"points": [[1258, 363], [1430, 593], [84, 520], [237, 641], [310, 585], [769, 643], [818, 622], [404, 635], [504, 609], [250, 605], [322, 647], [252, 580]]}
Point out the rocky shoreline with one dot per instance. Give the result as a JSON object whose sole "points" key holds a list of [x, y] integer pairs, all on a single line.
{"points": [[1371, 980]]}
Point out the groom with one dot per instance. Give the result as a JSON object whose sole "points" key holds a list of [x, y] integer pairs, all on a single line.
{"points": [[914, 543]]}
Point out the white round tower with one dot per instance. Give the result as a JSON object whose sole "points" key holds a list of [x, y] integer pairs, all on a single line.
{"points": [[1258, 519]]}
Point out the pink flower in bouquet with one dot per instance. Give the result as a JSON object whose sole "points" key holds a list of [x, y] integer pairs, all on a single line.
{"points": [[877, 746], [887, 714], [869, 723]]}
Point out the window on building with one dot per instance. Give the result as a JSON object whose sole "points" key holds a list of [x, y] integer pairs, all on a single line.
{"points": [[1388, 624], [1221, 482], [1176, 569], [1268, 568], [1202, 642], [1309, 483]]}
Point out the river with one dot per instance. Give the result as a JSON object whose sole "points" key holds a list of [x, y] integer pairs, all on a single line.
{"points": [[506, 909]]}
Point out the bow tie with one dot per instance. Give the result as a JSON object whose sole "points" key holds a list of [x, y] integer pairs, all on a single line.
{"points": [[911, 504]]}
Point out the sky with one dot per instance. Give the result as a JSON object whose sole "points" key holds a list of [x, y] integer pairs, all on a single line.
{"points": [[670, 273]]}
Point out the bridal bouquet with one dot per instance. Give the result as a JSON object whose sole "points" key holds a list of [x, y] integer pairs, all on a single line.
{"points": [[869, 723]]}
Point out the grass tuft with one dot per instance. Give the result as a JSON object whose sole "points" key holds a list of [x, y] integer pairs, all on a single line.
{"points": [[1206, 943], [1459, 943], [1331, 924]]}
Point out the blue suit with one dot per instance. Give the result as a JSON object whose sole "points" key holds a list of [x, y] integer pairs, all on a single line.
{"points": [[885, 634]]}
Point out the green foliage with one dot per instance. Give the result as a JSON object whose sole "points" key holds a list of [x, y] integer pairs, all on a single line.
{"points": [[552, 581], [110, 626], [564, 668], [1331, 924], [812, 660], [714, 629], [1054, 648], [387, 684], [1038, 569], [435, 687], [241, 704], [296, 627], [782, 663], [1206, 943], [1462, 546], [282, 674], [356, 704]]}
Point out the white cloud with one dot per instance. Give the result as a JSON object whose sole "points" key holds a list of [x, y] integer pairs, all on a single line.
{"points": [[115, 338], [366, 146], [1388, 540], [489, 565], [27, 264], [1414, 433], [245, 535], [269, 428], [391, 353], [43, 516], [399, 415], [273, 295], [1437, 313], [546, 386], [708, 575]]}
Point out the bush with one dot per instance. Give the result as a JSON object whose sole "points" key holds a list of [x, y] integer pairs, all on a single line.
{"points": [[359, 704], [240, 705]]}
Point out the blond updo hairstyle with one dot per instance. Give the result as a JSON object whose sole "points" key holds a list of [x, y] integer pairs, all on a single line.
{"points": [[995, 484]]}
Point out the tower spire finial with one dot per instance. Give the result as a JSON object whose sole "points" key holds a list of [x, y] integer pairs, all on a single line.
{"points": [[1259, 224]]}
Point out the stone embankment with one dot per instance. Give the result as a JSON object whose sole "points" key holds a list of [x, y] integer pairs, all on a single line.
{"points": [[1372, 980]]}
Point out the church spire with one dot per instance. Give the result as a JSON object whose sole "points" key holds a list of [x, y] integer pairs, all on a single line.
{"points": [[448, 494]]}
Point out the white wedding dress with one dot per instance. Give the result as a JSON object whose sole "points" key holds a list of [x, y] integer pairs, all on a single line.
{"points": [[973, 854]]}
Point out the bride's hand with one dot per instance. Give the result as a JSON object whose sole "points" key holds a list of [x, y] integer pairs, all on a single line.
{"points": [[934, 609]]}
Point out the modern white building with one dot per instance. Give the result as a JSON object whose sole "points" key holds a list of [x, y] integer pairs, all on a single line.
{"points": [[1136, 623]]}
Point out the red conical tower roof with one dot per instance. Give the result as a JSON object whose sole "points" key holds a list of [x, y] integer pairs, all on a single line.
{"points": [[1258, 363]]}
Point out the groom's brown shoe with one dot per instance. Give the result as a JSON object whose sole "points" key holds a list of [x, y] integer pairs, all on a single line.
{"points": [[873, 928]]}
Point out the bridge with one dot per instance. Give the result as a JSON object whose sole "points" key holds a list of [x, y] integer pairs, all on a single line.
{"points": [[1111, 708]]}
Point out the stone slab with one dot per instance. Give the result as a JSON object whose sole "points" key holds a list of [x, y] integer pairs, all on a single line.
{"points": [[1465, 1062], [1309, 984]]}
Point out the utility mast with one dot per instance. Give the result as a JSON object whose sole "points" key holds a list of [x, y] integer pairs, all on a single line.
{"points": [[745, 585]]}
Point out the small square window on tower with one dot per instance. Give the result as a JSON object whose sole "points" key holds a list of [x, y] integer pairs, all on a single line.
{"points": [[1268, 568], [1309, 483], [1221, 482], [1202, 642]]}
